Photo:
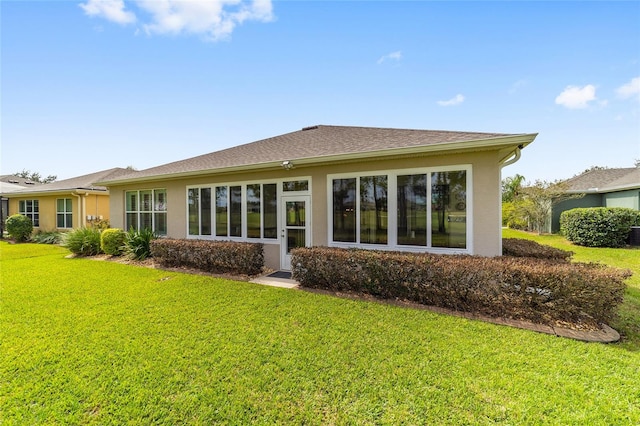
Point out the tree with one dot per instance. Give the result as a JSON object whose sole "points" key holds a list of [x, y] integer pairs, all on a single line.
{"points": [[537, 200], [35, 176], [511, 188]]}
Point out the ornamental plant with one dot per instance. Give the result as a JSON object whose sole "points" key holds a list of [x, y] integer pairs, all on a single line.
{"points": [[112, 241], [19, 227]]}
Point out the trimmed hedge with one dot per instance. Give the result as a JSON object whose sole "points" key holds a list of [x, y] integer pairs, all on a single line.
{"points": [[518, 288], [112, 241], [210, 256], [598, 226], [519, 247]]}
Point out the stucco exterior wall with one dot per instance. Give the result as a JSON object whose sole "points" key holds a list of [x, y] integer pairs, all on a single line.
{"points": [[94, 204], [485, 228]]}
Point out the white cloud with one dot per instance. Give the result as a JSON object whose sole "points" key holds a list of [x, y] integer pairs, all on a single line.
{"points": [[515, 87], [395, 56], [213, 19], [574, 97], [112, 10], [456, 100], [630, 90]]}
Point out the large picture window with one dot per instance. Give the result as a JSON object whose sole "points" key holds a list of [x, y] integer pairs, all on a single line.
{"points": [[146, 209], [64, 216], [419, 210], [30, 209], [242, 211]]}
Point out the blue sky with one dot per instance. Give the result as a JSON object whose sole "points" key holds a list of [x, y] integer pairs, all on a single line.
{"points": [[90, 85]]}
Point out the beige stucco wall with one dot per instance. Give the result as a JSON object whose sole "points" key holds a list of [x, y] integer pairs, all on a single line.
{"points": [[94, 204], [486, 230]]}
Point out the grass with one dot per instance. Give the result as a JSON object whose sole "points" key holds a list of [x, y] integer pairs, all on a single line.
{"points": [[89, 342]]}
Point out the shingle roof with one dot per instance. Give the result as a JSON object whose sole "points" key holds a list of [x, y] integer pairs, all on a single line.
{"points": [[80, 182], [605, 180], [316, 143]]}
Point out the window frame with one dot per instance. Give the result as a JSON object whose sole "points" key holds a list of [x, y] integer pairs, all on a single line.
{"points": [[392, 209], [155, 209], [34, 214], [67, 215], [243, 213]]}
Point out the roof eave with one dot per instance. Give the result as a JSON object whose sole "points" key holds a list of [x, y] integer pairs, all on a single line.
{"points": [[520, 141]]}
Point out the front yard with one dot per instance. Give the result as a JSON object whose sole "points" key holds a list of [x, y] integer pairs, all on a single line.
{"points": [[89, 342]]}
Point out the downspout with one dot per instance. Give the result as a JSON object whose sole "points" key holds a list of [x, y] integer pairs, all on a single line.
{"points": [[81, 207], [506, 161]]}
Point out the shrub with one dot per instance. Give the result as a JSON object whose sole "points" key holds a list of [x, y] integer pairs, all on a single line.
{"points": [[83, 241], [19, 227], [210, 256], [138, 243], [520, 288], [112, 241], [511, 217], [599, 226], [518, 247], [43, 237]]}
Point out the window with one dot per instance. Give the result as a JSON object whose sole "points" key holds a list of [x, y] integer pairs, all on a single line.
{"points": [[146, 209], [64, 217], [373, 210], [344, 210], [422, 209], [412, 210], [30, 209], [243, 211], [295, 185]]}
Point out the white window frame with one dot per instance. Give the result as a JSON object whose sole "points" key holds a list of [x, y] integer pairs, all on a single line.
{"points": [[243, 185], [64, 213], [392, 208], [22, 209], [153, 210]]}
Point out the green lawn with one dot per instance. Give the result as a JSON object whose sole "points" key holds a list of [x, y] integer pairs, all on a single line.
{"points": [[90, 342]]}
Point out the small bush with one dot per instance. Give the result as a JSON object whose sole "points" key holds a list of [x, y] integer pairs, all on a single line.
{"points": [[520, 288], [19, 227], [138, 243], [599, 226], [518, 247], [210, 256], [51, 237], [112, 241], [83, 241]]}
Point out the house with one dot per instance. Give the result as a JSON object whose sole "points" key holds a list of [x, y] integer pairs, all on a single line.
{"points": [[64, 204], [602, 187], [10, 183], [378, 188]]}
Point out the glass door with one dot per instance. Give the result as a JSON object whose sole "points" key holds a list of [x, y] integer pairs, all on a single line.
{"points": [[296, 220]]}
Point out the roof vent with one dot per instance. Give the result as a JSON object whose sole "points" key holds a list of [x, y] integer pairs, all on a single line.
{"points": [[304, 129]]}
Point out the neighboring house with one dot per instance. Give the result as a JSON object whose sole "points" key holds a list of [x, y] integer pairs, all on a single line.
{"points": [[389, 189], [63, 204], [8, 184], [601, 188]]}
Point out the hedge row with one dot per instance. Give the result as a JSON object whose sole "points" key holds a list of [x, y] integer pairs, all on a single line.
{"points": [[210, 256], [519, 247], [598, 226], [518, 288]]}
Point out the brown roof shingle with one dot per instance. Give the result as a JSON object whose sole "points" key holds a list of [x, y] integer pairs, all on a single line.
{"points": [[315, 142]]}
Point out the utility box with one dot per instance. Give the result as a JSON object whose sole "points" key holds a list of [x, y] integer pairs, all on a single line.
{"points": [[634, 236]]}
